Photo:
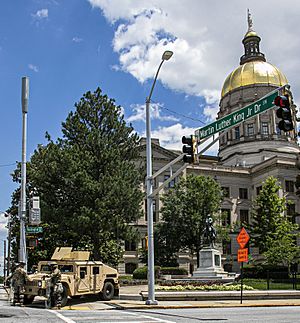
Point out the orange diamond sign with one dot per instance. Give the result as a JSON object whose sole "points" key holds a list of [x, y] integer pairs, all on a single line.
{"points": [[242, 238]]}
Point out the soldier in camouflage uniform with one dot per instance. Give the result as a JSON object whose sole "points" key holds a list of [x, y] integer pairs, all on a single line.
{"points": [[56, 287], [17, 283]]}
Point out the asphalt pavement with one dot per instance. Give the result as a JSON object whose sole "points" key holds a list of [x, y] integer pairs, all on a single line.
{"points": [[131, 298]]}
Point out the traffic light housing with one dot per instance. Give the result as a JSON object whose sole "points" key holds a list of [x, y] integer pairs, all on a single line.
{"points": [[189, 149], [284, 112]]}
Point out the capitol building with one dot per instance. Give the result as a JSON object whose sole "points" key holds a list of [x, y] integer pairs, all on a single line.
{"points": [[248, 154]]}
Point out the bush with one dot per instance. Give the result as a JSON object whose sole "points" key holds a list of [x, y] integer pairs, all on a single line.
{"points": [[142, 272], [173, 271], [261, 271]]}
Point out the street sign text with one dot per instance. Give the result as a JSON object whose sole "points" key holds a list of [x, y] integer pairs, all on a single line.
{"points": [[236, 117]]}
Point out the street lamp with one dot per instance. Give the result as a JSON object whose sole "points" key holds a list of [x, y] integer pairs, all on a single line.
{"points": [[151, 295]]}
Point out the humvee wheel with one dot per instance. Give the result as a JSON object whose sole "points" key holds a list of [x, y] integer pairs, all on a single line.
{"points": [[64, 296], [28, 299], [107, 291]]}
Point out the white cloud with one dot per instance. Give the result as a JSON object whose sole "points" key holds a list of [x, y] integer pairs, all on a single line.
{"points": [[139, 113], [33, 67], [170, 137], [205, 37], [77, 39], [40, 14], [211, 111]]}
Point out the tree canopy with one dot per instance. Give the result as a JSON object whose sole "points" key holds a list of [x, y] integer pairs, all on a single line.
{"points": [[184, 211], [88, 180], [271, 231]]}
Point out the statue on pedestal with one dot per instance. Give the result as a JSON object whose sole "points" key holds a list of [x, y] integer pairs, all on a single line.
{"points": [[209, 232]]}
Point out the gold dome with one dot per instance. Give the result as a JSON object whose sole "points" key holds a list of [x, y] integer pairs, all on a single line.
{"points": [[253, 72]]}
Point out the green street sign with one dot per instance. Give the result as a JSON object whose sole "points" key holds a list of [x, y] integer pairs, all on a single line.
{"points": [[34, 229], [236, 117]]}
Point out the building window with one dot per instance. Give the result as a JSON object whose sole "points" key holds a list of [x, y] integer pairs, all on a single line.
{"points": [[130, 246], [264, 128], [226, 247], [237, 132], [226, 220], [172, 183], [243, 193], [130, 268], [289, 186], [250, 129], [226, 191], [291, 212], [278, 131], [258, 189], [244, 217], [154, 210]]}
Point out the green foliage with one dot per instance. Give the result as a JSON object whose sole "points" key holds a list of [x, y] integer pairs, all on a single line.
{"points": [[272, 232], [173, 271], [142, 272], [88, 180], [185, 209], [267, 214], [283, 248], [264, 271]]}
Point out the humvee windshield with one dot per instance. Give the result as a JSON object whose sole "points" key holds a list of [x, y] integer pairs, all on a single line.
{"points": [[45, 268], [63, 268], [66, 268]]}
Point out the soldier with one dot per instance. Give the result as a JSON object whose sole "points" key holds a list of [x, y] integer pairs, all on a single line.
{"points": [[17, 283], [56, 287]]}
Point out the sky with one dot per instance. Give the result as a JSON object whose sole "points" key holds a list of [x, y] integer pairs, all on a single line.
{"points": [[67, 48]]}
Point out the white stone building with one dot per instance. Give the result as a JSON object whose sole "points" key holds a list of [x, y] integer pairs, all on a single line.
{"points": [[248, 153]]}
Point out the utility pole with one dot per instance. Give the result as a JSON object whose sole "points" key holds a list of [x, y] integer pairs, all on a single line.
{"points": [[8, 247], [22, 247], [4, 260]]}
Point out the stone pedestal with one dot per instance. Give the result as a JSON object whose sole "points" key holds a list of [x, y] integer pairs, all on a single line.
{"points": [[210, 266]]}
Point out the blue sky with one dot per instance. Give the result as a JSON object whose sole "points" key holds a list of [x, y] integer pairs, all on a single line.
{"points": [[69, 47]]}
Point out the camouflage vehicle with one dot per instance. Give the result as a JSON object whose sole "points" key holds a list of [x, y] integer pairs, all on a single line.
{"points": [[79, 276]]}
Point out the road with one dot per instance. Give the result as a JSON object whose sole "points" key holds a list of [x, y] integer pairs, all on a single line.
{"points": [[107, 314]]}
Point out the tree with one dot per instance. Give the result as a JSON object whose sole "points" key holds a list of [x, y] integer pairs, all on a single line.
{"points": [[267, 214], [283, 249], [272, 232], [185, 209], [88, 180]]}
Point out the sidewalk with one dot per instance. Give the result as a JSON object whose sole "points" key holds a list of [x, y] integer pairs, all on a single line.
{"points": [[130, 298]]}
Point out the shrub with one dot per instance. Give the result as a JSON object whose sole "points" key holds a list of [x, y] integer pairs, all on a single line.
{"points": [[173, 271], [142, 272], [261, 271]]}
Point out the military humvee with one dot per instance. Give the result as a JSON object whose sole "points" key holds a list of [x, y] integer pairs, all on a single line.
{"points": [[79, 276]]}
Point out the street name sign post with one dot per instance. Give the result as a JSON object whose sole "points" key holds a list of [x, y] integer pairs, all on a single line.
{"points": [[242, 239], [238, 116]]}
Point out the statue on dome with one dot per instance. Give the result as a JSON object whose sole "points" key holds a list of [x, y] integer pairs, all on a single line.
{"points": [[250, 22]]}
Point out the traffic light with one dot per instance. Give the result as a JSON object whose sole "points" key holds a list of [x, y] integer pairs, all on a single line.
{"points": [[189, 149], [284, 112]]}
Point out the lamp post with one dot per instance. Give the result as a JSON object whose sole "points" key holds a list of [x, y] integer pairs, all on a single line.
{"points": [[151, 295], [22, 245]]}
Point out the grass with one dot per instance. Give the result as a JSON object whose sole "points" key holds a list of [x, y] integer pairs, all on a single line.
{"points": [[261, 284]]}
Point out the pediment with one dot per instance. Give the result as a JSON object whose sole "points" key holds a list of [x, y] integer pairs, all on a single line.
{"points": [[159, 153]]}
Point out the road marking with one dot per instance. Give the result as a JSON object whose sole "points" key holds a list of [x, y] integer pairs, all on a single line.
{"points": [[65, 319], [150, 317]]}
